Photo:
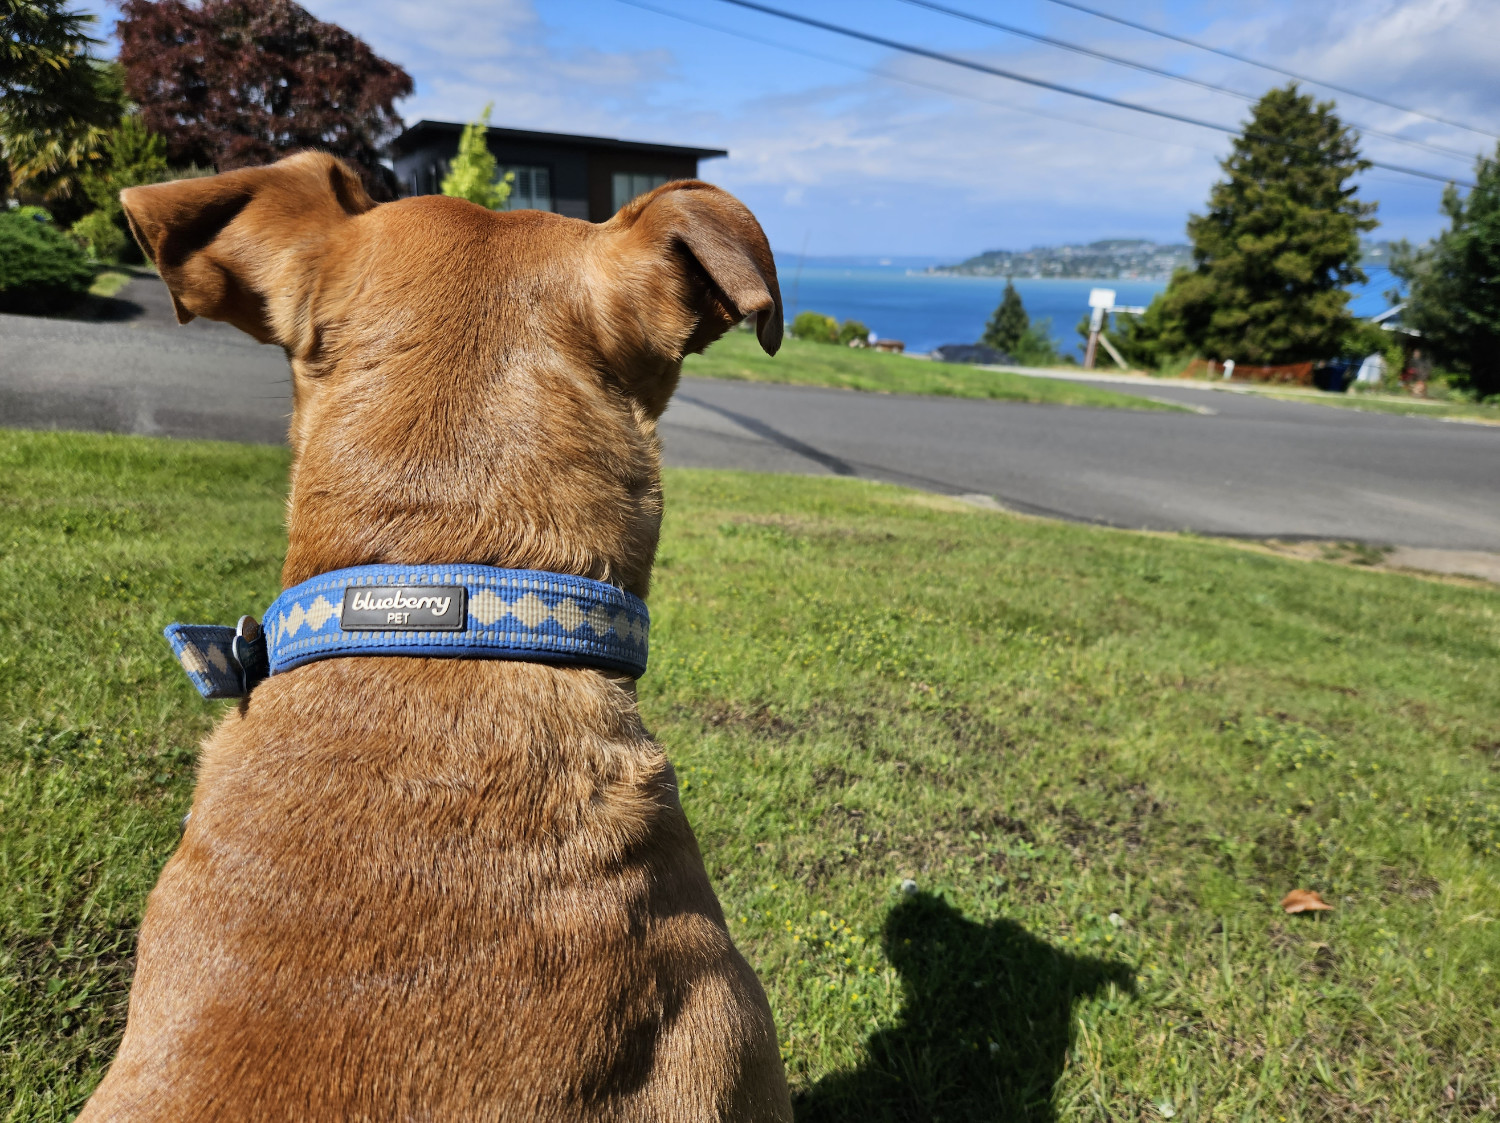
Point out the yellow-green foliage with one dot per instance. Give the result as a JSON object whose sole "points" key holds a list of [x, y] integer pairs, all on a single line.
{"points": [[98, 234], [814, 327], [472, 174]]}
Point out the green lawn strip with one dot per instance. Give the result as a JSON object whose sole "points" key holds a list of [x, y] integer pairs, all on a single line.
{"points": [[108, 282], [737, 356], [1102, 758], [1353, 399], [1412, 407]]}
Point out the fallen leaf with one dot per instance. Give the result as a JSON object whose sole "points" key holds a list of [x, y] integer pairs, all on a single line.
{"points": [[1304, 900]]}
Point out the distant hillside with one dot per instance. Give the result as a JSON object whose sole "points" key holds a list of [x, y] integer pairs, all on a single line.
{"points": [[1110, 259]]}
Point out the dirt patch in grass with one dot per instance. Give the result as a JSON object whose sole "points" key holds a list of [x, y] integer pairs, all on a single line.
{"points": [[1476, 568]]}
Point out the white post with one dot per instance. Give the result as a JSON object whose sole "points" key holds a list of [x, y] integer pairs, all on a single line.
{"points": [[1101, 301], [1096, 321]]}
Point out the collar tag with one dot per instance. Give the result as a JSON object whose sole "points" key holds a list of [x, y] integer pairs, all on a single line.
{"points": [[407, 608]]}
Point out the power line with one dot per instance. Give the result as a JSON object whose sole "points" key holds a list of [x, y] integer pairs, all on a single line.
{"points": [[945, 90], [1077, 48], [982, 68], [1268, 66]]}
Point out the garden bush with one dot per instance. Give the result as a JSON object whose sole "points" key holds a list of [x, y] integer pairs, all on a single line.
{"points": [[99, 235], [815, 328], [41, 269], [850, 330], [818, 328]]}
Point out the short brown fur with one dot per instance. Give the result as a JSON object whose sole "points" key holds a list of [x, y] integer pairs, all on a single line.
{"points": [[439, 889]]}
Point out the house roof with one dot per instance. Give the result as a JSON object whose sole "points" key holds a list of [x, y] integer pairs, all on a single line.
{"points": [[424, 132], [1390, 320]]}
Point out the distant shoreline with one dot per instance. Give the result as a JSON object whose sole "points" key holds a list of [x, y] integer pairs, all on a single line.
{"points": [[997, 274]]}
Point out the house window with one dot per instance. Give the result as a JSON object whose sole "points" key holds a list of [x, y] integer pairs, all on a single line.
{"points": [[531, 190], [630, 184]]}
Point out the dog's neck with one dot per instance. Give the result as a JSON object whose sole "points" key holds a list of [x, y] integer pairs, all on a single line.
{"points": [[543, 467]]}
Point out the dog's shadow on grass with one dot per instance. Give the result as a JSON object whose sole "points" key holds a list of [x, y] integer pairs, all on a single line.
{"points": [[984, 1031]]}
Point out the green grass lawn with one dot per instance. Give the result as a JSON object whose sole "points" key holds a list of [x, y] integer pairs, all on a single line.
{"points": [[1409, 407], [108, 282], [1376, 402], [738, 356], [1101, 757]]}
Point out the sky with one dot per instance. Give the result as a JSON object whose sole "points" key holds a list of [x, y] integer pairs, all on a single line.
{"points": [[846, 148]]}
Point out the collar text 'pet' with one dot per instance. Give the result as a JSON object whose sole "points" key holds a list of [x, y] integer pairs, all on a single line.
{"points": [[453, 611]]}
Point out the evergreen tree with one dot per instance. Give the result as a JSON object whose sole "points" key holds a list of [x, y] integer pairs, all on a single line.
{"points": [[1009, 324], [131, 156], [1455, 282], [56, 99], [1277, 248], [472, 176]]}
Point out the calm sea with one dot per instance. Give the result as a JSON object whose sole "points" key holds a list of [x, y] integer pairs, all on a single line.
{"points": [[926, 311]]}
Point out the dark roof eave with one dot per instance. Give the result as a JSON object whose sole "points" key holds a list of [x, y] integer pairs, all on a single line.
{"points": [[398, 146]]}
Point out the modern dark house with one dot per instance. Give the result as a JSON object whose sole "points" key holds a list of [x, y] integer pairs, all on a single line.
{"points": [[586, 177]]}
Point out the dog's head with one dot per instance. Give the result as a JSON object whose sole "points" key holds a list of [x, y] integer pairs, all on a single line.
{"points": [[467, 386]]}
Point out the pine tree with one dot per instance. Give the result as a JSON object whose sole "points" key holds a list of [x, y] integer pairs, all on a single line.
{"points": [[1279, 245], [472, 176], [1009, 323], [1455, 282]]}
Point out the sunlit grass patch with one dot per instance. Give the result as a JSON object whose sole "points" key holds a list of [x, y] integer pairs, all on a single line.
{"points": [[1000, 809], [738, 357]]}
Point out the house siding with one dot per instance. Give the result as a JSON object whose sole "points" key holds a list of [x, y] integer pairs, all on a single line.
{"points": [[581, 168]]}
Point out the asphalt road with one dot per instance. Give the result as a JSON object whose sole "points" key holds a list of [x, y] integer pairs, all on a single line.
{"points": [[1255, 467]]}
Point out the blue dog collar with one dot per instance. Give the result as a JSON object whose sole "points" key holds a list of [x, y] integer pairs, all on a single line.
{"points": [[443, 611]]}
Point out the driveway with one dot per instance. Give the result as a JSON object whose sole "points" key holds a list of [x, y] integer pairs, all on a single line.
{"points": [[1255, 467]]}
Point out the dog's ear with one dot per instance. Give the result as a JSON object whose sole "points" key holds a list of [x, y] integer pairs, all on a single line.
{"points": [[688, 262], [242, 246]]}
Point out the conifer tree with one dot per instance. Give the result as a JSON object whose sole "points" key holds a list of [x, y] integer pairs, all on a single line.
{"points": [[1277, 248], [131, 156], [1009, 323], [1455, 282], [472, 176]]}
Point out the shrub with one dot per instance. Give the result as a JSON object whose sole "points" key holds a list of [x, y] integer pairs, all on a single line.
{"points": [[1145, 341], [132, 156], [1034, 346], [1364, 338], [850, 330], [41, 269], [472, 175], [97, 233], [815, 327]]}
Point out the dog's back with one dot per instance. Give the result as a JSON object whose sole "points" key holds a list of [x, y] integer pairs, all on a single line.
{"points": [[428, 888]]}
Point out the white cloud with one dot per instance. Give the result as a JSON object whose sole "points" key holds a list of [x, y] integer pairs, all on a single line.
{"points": [[874, 164], [464, 53]]}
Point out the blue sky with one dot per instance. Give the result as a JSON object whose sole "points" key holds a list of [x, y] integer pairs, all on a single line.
{"points": [[866, 151]]}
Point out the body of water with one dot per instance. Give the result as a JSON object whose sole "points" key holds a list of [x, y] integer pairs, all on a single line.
{"points": [[926, 311]]}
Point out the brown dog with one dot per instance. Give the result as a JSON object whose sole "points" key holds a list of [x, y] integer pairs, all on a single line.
{"points": [[450, 889]]}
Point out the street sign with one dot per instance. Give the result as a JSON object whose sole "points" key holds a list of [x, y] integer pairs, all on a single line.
{"points": [[1101, 298]]}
